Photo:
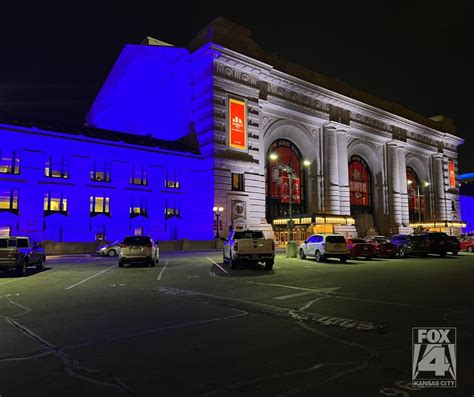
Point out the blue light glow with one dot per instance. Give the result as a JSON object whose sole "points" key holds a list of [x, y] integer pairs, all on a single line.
{"points": [[148, 91]]}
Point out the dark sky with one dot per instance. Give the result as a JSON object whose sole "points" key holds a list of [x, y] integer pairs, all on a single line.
{"points": [[56, 55]]}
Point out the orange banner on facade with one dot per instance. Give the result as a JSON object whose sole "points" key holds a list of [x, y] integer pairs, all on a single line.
{"points": [[295, 190], [452, 176], [237, 124]]}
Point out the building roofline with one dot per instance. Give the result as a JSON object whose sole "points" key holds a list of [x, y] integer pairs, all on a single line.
{"points": [[238, 38], [186, 144]]}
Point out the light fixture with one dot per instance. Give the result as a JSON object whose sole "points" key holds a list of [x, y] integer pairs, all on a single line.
{"points": [[306, 163], [273, 156], [409, 182]]}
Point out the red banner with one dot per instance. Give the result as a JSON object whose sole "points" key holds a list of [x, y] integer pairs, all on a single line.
{"points": [[237, 124], [285, 190], [452, 176]]}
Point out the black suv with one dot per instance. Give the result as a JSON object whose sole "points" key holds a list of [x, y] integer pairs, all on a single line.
{"points": [[454, 245], [410, 244], [438, 242]]}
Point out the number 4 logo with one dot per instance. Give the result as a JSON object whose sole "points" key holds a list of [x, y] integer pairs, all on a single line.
{"points": [[434, 360]]}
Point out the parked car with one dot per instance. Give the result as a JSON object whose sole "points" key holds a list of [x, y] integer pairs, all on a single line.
{"points": [[439, 243], [139, 249], [324, 246], [248, 246], [111, 249], [382, 246], [20, 252], [454, 245], [467, 244], [410, 244], [360, 248]]}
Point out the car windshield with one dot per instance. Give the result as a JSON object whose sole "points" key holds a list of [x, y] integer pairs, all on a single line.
{"points": [[114, 243], [137, 240], [249, 234], [359, 241], [335, 239], [3, 242], [382, 240]]}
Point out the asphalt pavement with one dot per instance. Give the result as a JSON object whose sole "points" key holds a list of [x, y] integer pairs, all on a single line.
{"points": [[191, 326]]}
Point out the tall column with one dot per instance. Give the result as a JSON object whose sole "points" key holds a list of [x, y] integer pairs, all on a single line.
{"points": [[331, 170], [394, 187], [439, 189], [344, 194], [403, 185]]}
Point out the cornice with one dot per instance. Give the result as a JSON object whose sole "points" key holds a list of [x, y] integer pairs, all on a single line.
{"points": [[248, 71]]}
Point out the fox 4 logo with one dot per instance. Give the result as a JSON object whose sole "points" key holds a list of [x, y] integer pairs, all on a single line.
{"points": [[434, 357]]}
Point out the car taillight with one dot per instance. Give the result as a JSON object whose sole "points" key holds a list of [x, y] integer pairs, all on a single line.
{"points": [[14, 254], [236, 246], [123, 245]]}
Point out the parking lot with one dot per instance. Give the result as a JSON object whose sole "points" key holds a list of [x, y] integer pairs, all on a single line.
{"points": [[193, 326]]}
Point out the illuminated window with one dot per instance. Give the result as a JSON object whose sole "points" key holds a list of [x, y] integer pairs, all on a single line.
{"points": [[138, 176], [137, 208], [171, 210], [100, 172], [55, 203], [9, 200], [99, 205], [172, 180], [10, 162], [416, 196], [57, 167], [360, 186], [238, 182]]}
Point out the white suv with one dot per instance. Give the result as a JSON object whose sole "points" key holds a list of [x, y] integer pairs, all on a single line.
{"points": [[139, 249], [323, 246]]}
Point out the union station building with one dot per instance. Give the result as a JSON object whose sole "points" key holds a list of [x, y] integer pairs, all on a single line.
{"points": [[175, 132]]}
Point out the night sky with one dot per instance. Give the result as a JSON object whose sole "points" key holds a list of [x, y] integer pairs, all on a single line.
{"points": [[55, 56]]}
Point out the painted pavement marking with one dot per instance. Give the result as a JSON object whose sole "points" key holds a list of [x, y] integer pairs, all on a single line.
{"points": [[338, 295], [219, 266], [162, 270], [88, 278]]}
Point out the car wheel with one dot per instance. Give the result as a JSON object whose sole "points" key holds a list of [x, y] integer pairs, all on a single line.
{"points": [[21, 268], [369, 258], [455, 253], [402, 253], [344, 259], [40, 265], [152, 262], [302, 255], [318, 256], [442, 254], [469, 249], [112, 253], [224, 259], [121, 263], [269, 264]]}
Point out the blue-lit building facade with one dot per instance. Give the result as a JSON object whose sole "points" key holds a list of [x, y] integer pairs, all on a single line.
{"points": [[176, 131]]}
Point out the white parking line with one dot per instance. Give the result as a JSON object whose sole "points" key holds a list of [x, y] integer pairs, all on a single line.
{"points": [[88, 278], [162, 270], [294, 295], [219, 266]]}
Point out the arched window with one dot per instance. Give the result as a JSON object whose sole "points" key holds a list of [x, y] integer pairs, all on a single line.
{"points": [[360, 186], [416, 198], [277, 179]]}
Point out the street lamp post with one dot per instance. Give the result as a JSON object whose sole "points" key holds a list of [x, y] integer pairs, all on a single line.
{"points": [[218, 212], [291, 245]]}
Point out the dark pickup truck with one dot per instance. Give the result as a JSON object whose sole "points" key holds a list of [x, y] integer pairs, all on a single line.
{"points": [[19, 252]]}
